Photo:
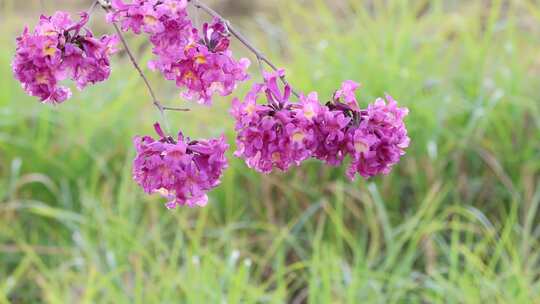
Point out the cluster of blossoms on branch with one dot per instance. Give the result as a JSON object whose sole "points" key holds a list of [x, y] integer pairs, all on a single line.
{"points": [[199, 63], [273, 134], [278, 133], [58, 49], [180, 169]]}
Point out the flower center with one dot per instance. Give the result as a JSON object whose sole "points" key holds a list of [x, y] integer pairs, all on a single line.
{"points": [[189, 76], [250, 108], [41, 78], [189, 46], [216, 87], [163, 192], [150, 20], [360, 147], [200, 59], [48, 30], [298, 136], [276, 157], [49, 50], [173, 6], [309, 112]]}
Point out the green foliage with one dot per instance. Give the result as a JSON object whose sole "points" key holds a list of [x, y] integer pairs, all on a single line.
{"points": [[456, 222]]}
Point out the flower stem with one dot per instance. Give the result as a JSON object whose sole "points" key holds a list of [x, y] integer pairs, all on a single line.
{"points": [[260, 56], [106, 5], [156, 102], [90, 11], [165, 108]]}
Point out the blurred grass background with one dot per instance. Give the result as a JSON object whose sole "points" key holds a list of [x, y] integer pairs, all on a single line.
{"points": [[455, 222]]}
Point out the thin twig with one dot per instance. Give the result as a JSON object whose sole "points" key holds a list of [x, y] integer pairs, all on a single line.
{"points": [[136, 66], [260, 56], [165, 108], [261, 67], [155, 101], [105, 4], [197, 17], [139, 70], [92, 8]]}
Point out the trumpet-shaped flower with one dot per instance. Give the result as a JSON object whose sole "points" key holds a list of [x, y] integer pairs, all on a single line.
{"points": [[274, 134], [379, 139], [181, 170], [58, 49], [201, 64]]}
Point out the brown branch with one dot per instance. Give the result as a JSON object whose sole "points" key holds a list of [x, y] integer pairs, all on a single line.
{"points": [[155, 101], [174, 109], [260, 56]]}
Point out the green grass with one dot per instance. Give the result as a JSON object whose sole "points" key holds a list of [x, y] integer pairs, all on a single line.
{"points": [[455, 222]]}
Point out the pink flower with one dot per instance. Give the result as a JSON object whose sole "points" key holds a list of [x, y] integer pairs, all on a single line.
{"points": [[374, 138], [205, 67], [348, 93], [280, 134], [202, 65], [379, 140], [149, 16], [181, 170], [330, 127], [273, 135], [57, 50]]}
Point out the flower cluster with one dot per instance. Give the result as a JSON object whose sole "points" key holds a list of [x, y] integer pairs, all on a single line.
{"points": [[273, 134], [279, 133], [58, 49], [376, 137], [149, 16], [200, 63], [179, 169]]}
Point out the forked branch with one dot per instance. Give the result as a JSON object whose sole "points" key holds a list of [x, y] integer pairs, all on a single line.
{"points": [[258, 54], [105, 4]]}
